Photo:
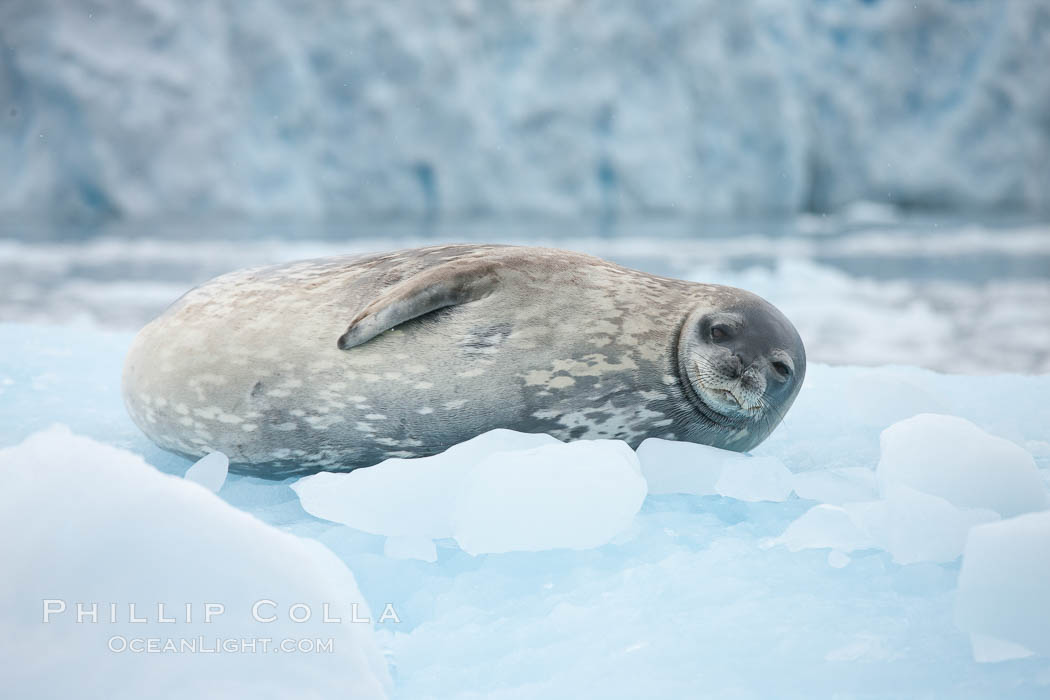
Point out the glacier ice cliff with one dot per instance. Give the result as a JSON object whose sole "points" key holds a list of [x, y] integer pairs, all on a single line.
{"points": [[153, 108]]}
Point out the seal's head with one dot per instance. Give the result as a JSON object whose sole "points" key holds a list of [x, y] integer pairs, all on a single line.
{"points": [[742, 365]]}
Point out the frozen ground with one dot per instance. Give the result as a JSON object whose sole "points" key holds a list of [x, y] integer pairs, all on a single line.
{"points": [[852, 586], [825, 564]]}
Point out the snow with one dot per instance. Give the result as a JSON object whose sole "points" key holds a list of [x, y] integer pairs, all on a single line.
{"points": [[841, 589], [93, 524], [393, 109], [1003, 584], [951, 457], [210, 471]]}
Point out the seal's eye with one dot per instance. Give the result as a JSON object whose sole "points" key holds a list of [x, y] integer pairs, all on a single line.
{"points": [[719, 333], [782, 369]]}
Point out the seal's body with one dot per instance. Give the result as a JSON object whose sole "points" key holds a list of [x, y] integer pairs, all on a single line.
{"points": [[339, 363]]}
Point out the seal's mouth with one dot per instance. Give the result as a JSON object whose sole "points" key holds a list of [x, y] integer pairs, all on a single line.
{"points": [[730, 398], [723, 397], [709, 409]]}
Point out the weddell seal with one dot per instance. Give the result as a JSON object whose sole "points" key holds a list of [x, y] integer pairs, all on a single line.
{"points": [[339, 363]]}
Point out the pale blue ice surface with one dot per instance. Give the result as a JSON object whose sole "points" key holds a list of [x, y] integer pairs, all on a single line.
{"points": [[689, 600]]}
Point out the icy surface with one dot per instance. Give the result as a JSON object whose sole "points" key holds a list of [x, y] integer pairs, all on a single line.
{"points": [[486, 493], [474, 107], [681, 467], [952, 458], [915, 527], [690, 600], [912, 526], [407, 497], [93, 524], [993, 650], [1003, 584], [826, 525], [937, 477], [836, 486], [701, 470], [576, 496], [401, 547], [210, 471], [755, 479]]}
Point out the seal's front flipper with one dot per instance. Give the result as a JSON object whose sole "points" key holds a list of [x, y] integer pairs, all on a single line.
{"points": [[449, 284]]}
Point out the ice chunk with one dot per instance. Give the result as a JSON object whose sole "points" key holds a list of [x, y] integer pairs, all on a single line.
{"points": [[1038, 448], [406, 497], [670, 466], [1004, 581], [910, 525], [468, 492], [952, 458], [574, 496], [420, 548], [825, 526], [685, 467], [988, 650], [836, 486], [915, 526], [863, 647], [837, 559], [210, 471], [755, 479], [87, 524]]}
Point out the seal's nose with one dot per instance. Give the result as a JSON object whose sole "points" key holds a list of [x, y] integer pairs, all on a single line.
{"points": [[745, 353], [754, 380]]}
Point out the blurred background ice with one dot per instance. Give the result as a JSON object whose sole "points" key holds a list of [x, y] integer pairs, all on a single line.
{"points": [[160, 108]]}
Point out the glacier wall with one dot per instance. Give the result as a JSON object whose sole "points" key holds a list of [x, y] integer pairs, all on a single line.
{"points": [[161, 108]]}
